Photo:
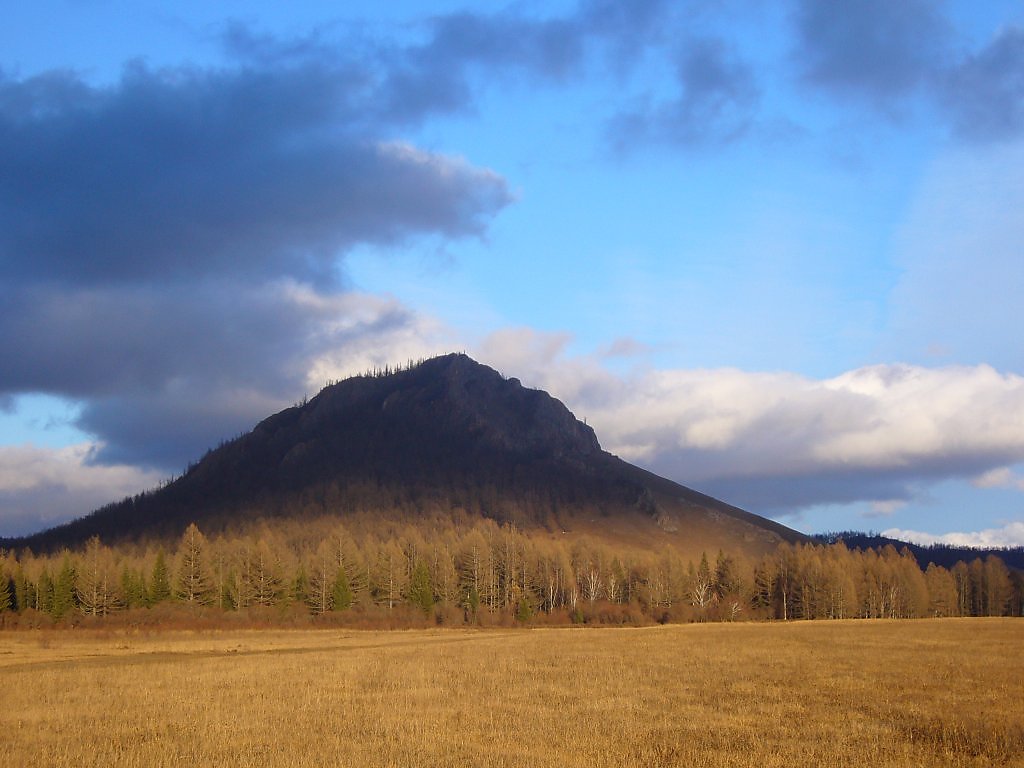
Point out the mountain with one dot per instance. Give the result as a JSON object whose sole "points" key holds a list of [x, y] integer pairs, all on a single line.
{"points": [[445, 436]]}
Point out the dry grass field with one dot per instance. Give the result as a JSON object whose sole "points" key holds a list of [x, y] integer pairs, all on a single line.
{"points": [[915, 693]]}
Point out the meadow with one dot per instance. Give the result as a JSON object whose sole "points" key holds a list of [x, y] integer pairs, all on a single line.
{"points": [[944, 692]]}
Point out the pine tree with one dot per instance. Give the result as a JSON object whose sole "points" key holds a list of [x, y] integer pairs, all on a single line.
{"points": [[159, 582]]}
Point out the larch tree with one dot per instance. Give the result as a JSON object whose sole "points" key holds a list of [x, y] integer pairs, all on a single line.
{"points": [[942, 597], [389, 574], [193, 585], [443, 575], [473, 552], [322, 573], [702, 590], [97, 585], [264, 574], [998, 586]]}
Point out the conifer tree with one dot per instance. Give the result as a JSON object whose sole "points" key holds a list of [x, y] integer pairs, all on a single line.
{"points": [[160, 581], [96, 587], [341, 592], [133, 588], [524, 611], [233, 593], [193, 582], [725, 577], [472, 601], [24, 591], [421, 593], [63, 589], [321, 584], [300, 585], [6, 600], [263, 574], [702, 586], [44, 592]]}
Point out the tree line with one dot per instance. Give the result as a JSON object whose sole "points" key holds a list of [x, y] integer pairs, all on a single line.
{"points": [[489, 573]]}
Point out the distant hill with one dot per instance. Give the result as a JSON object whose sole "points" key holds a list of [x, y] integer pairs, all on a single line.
{"points": [[941, 554], [445, 436]]}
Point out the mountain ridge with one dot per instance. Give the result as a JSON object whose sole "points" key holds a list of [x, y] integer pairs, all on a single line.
{"points": [[447, 432]]}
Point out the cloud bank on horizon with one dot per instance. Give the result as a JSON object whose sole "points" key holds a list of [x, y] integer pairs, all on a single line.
{"points": [[177, 243]]}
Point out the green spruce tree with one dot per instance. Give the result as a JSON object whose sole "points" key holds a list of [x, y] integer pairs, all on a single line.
{"points": [[63, 590], [6, 599], [472, 602], [341, 592], [421, 593], [133, 588], [300, 586], [24, 590], [44, 592], [160, 581]]}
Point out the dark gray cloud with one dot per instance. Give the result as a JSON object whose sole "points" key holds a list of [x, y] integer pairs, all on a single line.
{"points": [[887, 54], [782, 495], [463, 51], [984, 94], [164, 373], [170, 244], [775, 494], [875, 50], [717, 103], [180, 174], [97, 342]]}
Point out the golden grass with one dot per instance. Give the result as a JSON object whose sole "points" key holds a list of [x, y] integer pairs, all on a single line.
{"points": [[917, 693]]}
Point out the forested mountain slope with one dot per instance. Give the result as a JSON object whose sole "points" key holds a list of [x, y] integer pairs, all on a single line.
{"points": [[447, 435]]}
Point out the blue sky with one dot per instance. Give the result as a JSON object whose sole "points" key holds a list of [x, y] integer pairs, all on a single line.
{"points": [[771, 250]]}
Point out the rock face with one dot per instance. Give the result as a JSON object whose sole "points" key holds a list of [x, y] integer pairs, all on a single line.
{"points": [[448, 421], [448, 433]]}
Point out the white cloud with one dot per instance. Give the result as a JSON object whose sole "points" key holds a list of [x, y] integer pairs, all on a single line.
{"points": [[1010, 535], [886, 508], [780, 440], [774, 442], [41, 487], [356, 334], [1001, 477]]}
